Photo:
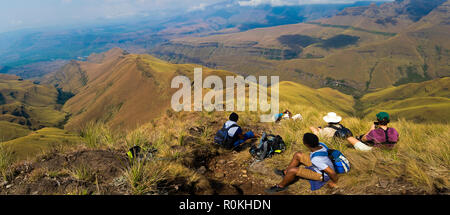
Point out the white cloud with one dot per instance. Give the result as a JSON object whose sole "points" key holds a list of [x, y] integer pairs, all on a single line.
{"points": [[292, 2], [201, 6], [15, 22]]}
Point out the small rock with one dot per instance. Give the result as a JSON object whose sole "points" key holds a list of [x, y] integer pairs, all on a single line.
{"points": [[35, 193], [383, 183], [245, 176], [219, 175], [201, 170], [244, 171], [9, 186]]}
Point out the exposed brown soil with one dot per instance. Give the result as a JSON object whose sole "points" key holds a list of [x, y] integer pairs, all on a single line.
{"points": [[52, 174]]}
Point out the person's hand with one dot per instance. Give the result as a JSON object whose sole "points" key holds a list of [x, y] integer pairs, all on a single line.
{"points": [[333, 185], [373, 127]]}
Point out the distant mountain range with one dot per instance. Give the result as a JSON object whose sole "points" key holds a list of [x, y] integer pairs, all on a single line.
{"points": [[20, 48], [353, 51]]}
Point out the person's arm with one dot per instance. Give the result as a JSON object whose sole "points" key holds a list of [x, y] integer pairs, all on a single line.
{"points": [[333, 176], [240, 133], [315, 130], [364, 138]]}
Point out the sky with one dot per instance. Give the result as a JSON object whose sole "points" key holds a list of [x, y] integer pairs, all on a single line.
{"points": [[19, 14]]}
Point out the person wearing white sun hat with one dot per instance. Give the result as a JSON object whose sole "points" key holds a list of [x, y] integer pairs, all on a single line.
{"points": [[333, 121]]}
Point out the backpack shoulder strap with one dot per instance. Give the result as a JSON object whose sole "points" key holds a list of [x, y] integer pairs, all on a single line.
{"points": [[335, 127], [232, 126], [386, 133], [322, 154]]}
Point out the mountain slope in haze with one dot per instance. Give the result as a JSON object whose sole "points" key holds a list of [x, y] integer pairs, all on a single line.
{"points": [[390, 17], [352, 59], [20, 50]]}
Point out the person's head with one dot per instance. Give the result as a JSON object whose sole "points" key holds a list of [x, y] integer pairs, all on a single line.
{"points": [[234, 117], [383, 118], [332, 118], [310, 140]]}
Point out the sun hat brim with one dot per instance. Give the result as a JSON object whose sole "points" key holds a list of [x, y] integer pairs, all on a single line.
{"points": [[330, 119]]}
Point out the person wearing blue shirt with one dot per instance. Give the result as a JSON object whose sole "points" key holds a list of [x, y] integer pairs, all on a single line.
{"points": [[317, 169]]}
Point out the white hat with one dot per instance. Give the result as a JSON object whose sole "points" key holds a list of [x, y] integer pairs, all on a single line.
{"points": [[332, 117]]}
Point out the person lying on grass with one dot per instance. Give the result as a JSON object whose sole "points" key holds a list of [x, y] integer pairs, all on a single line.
{"points": [[317, 169], [333, 124], [379, 135], [285, 115]]}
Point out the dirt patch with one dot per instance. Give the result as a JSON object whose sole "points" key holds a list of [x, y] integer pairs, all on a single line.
{"points": [[82, 172], [230, 176]]}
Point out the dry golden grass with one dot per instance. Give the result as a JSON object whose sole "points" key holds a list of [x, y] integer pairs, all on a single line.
{"points": [[420, 159], [6, 160], [418, 164]]}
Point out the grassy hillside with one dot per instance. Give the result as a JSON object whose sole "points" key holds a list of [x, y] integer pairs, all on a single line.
{"points": [[421, 102], [121, 89], [324, 99], [186, 160], [40, 142], [30, 105], [9, 131]]}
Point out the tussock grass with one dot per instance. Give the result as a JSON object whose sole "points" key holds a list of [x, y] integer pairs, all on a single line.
{"points": [[98, 134], [83, 173], [6, 160], [144, 176]]}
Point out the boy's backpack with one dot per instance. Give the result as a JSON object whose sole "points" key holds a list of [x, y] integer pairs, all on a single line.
{"points": [[341, 132], [138, 153], [386, 133], [268, 146], [340, 162], [223, 139]]}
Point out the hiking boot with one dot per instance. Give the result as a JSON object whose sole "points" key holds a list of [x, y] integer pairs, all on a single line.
{"points": [[275, 189], [279, 172]]}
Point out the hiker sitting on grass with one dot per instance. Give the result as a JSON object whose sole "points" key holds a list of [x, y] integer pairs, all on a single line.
{"points": [[235, 134], [317, 169], [333, 126], [379, 135]]}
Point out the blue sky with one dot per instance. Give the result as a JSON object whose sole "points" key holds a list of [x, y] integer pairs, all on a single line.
{"points": [[18, 14]]}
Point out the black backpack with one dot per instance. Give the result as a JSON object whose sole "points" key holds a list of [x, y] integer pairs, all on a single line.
{"points": [[223, 139], [268, 146], [341, 132]]}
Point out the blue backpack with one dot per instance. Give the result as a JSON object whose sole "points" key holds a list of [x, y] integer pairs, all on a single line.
{"points": [[341, 163], [223, 139]]}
